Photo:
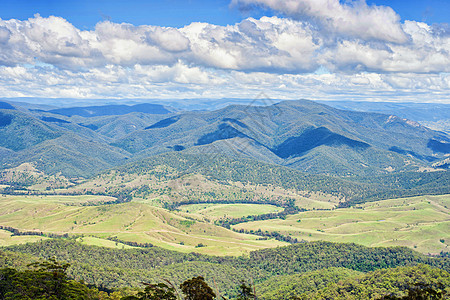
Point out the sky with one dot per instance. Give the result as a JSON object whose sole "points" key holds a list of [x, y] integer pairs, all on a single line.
{"points": [[374, 50]]}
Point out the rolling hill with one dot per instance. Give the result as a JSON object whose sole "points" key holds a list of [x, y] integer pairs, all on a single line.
{"points": [[302, 135]]}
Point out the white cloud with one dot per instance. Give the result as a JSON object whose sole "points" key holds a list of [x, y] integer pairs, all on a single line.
{"points": [[270, 44], [181, 81], [284, 57], [169, 39], [354, 18]]}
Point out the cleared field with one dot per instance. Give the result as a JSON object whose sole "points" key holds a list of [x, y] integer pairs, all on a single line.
{"points": [[149, 187], [132, 221], [7, 239], [421, 223], [89, 240], [217, 211], [47, 199]]}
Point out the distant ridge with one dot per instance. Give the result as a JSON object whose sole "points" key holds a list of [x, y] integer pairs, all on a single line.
{"points": [[303, 135], [6, 105], [110, 110]]}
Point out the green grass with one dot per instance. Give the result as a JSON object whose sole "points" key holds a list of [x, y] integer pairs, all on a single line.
{"points": [[229, 210], [418, 222], [69, 200], [146, 187], [7, 239], [93, 241], [132, 221]]}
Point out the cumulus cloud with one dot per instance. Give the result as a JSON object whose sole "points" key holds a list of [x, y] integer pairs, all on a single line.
{"points": [[181, 81], [356, 18], [45, 57], [269, 44], [427, 52]]}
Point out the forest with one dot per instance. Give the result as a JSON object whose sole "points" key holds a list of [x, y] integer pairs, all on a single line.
{"points": [[61, 268]]}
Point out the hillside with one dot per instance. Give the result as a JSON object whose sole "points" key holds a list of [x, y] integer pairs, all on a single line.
{"points": [[172, 173], [108, 110], [128, 267], [432, 115], [303, 135]]}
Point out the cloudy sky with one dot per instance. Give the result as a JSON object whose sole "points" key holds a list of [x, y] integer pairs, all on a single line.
{"points": [[174, 49]]}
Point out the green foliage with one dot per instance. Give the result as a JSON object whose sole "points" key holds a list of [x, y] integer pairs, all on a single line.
{"points": [[115, 268], [197, 289], [420, 291], [159, 291], [417, 282], [48, 281], [245, 292], [317, 255], [292, 286]]}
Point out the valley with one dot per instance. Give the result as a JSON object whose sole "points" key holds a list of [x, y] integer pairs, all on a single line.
{"points": [[420, 223], [274, 193], [225, 150]]}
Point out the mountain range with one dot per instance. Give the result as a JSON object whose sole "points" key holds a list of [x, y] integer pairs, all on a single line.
{"points": [[304, 135]]}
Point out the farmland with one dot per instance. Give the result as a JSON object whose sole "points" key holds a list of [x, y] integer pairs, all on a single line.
{"points": [[421, 223]]}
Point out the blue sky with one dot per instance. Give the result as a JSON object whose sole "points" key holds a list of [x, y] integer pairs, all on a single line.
{"points": [[177, 13], [382, 50]]}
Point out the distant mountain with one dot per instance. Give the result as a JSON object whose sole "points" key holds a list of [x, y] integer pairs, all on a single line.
{"points": [[412, 111], [74, 150], [304, 135], [108, 110], [6, 105], [432, 115], [19, 130]]}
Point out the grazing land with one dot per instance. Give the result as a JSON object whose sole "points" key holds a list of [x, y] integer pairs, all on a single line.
{"points": [[130, 222], [216, 211], [421, 223]]}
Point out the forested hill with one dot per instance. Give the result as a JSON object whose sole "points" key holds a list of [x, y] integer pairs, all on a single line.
{"points": [[303, 135], [115, 268], [223, 169]]}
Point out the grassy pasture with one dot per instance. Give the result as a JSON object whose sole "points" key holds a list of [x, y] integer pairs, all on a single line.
{"points": [[47, 199], [148, 187], [7, 239], [132, 221], [421, 223], [217, 211]]}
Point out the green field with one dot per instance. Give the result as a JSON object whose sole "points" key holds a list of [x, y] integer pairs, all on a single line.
{"points": [[421, 223], [6, 239], [217, 211], [132, 221]]}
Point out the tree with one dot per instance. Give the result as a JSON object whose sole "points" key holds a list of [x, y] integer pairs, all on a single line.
{"points": [[420, 291], [197, 289], [245, 292], [160, 291], [47, 281]]}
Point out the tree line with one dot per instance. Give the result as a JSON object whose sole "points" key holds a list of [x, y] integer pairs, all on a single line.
{"points": [[49, 280]]}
